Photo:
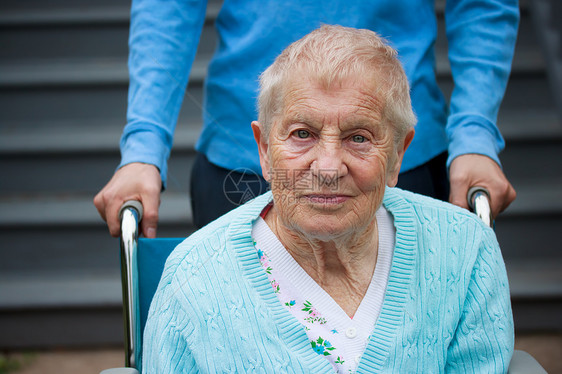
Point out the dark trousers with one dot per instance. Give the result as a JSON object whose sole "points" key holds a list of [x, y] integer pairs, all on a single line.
{"points": [[215, 191], [429, 179]]}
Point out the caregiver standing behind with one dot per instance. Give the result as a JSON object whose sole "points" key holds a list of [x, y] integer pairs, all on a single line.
{"points": [[334, 269], [456, 144]]}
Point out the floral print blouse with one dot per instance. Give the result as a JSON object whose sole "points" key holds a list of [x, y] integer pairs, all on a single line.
{"points": [[332, 333]]}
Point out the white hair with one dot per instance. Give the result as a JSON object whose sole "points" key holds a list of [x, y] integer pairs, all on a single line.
{"points": [[331, 54]]}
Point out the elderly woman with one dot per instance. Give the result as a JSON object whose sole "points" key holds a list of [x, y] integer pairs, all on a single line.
{"points": [[334, 270]]}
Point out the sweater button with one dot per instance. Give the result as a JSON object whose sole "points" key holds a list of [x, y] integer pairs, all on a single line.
{"points": [[351, 332]]}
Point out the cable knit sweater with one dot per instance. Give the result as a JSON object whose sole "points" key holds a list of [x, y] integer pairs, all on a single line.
{"points": [[446, 307]]}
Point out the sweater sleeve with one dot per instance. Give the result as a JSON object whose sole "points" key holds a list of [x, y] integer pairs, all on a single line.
{"points": [[481, 36], [484, 338], [163, 40]]}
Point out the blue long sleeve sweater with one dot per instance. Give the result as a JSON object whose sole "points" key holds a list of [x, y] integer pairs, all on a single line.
{"points": [[165, 34], [446, 308]]}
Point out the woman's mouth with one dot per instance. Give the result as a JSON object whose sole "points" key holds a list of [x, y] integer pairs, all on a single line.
{"points": [[327, 199]]}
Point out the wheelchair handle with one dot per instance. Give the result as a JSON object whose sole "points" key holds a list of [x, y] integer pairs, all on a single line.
{"points": [[130, 216], [134, 204], [479, 202]]}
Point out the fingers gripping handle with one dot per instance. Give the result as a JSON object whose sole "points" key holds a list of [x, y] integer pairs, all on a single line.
{"points": [[479, 202]]}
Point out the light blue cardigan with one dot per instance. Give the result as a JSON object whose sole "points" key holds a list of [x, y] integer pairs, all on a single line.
{"points": [[446, 308]]}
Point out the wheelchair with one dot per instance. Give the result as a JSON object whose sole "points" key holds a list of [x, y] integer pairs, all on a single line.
{"points": [[143, 260]]}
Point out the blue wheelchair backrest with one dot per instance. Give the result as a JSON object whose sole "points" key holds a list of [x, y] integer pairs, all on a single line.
{"points": [[151, 258]]}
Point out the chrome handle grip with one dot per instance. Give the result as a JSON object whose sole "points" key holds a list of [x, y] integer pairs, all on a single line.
{"points": [[131, 204], [479, 202], [130, 215]]}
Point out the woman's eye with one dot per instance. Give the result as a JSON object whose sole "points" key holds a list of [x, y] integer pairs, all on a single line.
{"points": [[302, 134], [358, 139]]}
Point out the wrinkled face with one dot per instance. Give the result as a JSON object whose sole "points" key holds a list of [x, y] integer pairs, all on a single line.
{"points": [[329, 156]]}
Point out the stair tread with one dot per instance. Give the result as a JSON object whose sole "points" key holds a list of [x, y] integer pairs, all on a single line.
{"points": [[69, 289], [79, 136], [80, 14], [527, 59], [535, 278], [535, 198], [99, 71], [514, 124], [104, 13], [538, 279], [92, 71], [78, 210], [61, 16], [92, 136]]}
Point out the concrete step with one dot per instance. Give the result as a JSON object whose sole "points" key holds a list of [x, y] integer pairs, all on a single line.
{"points": [[57, 173], [528, 96], [86, 136], [524, 91], [77, 31], [61, 327], [79, 288], [70, 232], [53, 210], [103, 326], [546, 16], [105, 103], [92, 136], [99, 96], [526, 161], [83, 288], [72, 288], [528, 125], [56, 235], [75, 287], [94, 325], [44, 42], [33, 12], [536, 198], [48, 162], [528, 57], [63, 249], [84, 308], [91, 14], [78, 72], [97, 70], [24, 6], [67, 31], [535, 278], [105, 60]]}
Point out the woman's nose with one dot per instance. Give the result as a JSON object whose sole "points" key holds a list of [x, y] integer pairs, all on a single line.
{"points": [[329, 165]]}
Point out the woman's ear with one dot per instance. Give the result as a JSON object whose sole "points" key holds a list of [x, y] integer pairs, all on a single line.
{"points": [[394, 170], [262, 141]]}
